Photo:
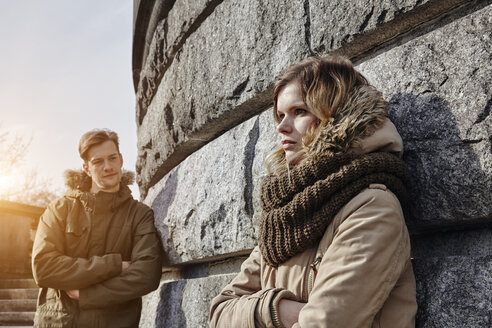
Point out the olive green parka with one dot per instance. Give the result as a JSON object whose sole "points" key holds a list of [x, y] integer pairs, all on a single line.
{"points": [[80, 244]]}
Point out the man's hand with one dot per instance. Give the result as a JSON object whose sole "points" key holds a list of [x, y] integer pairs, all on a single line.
{"points": [[73, 294], [125, 265], [288, 311]]}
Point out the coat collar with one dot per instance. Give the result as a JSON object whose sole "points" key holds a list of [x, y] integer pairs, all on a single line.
{"points": [[79, 184], [78, 179]]}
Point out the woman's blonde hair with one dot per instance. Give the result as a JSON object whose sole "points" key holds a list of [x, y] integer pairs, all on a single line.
{"points": [[325, 84]]}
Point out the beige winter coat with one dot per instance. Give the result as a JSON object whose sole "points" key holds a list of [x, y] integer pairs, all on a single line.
{"points": [[359, 275]]}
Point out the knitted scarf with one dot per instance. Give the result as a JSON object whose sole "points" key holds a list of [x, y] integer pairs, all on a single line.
{"points": [[298, 207]]}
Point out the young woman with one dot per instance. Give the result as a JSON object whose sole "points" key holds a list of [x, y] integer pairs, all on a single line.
{"points": [[333, 249]]}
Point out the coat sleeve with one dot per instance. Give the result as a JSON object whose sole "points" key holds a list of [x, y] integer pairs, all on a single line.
{"points": [[361, 266], [53, 268], [243, 303], [141, 277]]}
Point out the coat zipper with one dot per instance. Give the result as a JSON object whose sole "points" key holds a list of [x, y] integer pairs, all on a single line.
{"points": [[312, 275]]}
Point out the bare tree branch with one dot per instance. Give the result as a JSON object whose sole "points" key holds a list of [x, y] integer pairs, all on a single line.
{"points": [[30, 189]]}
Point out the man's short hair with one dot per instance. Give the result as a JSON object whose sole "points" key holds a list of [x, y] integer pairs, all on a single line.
{"points": [[96, 137]]}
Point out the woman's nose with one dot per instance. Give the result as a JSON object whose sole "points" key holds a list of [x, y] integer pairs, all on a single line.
{"points": [[284, 126]]}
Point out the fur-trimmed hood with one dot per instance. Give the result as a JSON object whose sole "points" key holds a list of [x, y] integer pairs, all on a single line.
{"points": [[79, 180], [79, 185], [360, 125]]}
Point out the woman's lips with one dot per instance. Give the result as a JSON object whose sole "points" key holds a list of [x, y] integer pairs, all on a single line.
{"points": [[287, 144]]}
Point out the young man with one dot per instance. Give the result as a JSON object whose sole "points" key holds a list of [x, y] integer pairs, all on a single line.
{"points": [[96, 250]]}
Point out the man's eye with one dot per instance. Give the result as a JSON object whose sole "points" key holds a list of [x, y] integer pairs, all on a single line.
{"points": [[97, 162], [300, 111]]}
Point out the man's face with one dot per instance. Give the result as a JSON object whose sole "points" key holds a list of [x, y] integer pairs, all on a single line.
{"points": [[103, 165]]}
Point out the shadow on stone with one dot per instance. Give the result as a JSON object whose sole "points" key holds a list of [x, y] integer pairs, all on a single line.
{"points": [[454, 291], [160, 206], [450, 189], [450, 212], [169, 311]]}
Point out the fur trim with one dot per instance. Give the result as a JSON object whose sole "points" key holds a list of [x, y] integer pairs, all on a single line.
{"points": [[78, 179], [362, 113]]}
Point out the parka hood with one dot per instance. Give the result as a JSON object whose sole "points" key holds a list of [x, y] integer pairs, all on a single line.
{"points": [[360, 125], [386, 138], [79, 185], [78, 179]]}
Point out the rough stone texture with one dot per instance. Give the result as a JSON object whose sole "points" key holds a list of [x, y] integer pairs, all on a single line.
{"points": [[452, 243], [440, 97], [203, 208], [231, 265], [182, 303], [272, 35], [146, 16], [361, 29], [150, 304], [210, 68], [215, 213], [183, 116], [454, 291], [338, 21], [268, 139], [453, 274], [335, 23], [169, 36]]}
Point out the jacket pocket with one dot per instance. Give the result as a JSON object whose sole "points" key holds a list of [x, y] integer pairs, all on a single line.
{"points": [[77, 243], [77, 231], [121, 240], [52, 316]]}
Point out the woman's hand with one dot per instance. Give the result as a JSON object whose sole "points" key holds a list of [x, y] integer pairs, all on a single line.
{"points": [[288, 311], [73, 294]]}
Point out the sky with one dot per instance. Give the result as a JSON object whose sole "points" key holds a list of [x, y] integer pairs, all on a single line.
{"points": [[65, 68]]}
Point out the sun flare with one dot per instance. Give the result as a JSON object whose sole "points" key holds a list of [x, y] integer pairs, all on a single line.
{"points": [[7, 184]]}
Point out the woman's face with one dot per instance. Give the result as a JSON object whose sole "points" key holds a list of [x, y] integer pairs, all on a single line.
{"points": [[295, 120]]}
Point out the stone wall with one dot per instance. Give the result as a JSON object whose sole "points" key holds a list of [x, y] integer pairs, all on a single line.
{"points": [[203, 74], [18, 224]]}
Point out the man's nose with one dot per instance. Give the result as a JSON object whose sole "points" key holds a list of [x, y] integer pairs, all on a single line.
{"points": [[107, 166]]}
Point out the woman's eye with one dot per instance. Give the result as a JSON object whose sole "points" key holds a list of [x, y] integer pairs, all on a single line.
{"points": [[281, 116], [300, 111]]}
